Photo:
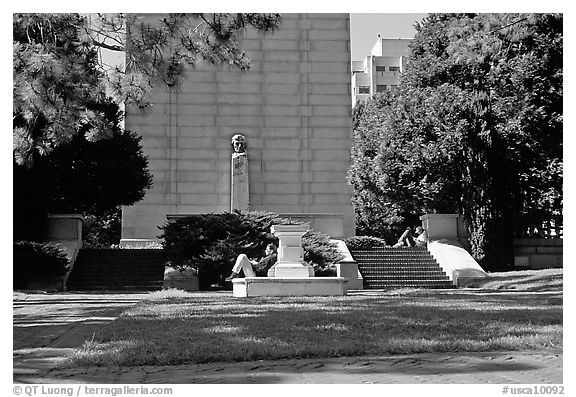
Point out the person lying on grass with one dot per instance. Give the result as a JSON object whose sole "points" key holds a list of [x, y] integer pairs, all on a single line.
{"points": [[254, 268]]}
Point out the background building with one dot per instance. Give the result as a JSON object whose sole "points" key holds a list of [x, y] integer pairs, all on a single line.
{"points": [[380, 70], [293, 106]]}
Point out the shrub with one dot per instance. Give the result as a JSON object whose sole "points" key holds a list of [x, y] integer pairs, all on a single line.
{"points": [[319, 250], [326, 271], [359, 242], [102, 231], [211, 242], [37, 260]]}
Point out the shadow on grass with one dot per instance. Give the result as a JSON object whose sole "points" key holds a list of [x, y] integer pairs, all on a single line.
{"points": [[220, 328], [38, 323], [528, 280]]}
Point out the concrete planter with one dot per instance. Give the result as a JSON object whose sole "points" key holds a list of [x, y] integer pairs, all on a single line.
{"points": [[186, 280]]}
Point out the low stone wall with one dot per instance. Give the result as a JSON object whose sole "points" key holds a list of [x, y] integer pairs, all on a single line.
{"points": [[348, 268], [455, 261], [538, 253]]}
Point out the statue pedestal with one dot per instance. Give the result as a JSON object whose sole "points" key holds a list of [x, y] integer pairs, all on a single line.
{"points": [[290, 253], [239, 193]]}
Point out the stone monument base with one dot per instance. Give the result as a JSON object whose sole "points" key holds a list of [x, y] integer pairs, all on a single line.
{"points": [[284, 286]]}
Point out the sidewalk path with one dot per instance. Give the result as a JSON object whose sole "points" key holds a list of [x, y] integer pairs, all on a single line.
{"points": [[49, 326]]}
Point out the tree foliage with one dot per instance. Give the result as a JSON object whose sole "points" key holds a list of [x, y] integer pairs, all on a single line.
{"points": [[59, 75], [475, 127]]}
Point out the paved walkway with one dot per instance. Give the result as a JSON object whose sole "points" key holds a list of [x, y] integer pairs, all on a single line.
{"points": [[49, 326]]}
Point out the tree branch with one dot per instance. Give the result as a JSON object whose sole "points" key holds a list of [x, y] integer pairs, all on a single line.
{"points": [[107, 46]]}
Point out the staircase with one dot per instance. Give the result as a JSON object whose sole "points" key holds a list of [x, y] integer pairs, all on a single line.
{"points": [[117, 269], [399, 268]]}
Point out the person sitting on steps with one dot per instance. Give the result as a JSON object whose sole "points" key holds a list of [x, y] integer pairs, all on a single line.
{"points": [[253, 268], [408, 240]]}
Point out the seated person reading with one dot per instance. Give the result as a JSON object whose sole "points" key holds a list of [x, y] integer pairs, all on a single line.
{"points": [[408, 240], [253, 268]]}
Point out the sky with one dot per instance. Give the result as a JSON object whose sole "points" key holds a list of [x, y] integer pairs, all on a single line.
{"points": [[364, 30]]}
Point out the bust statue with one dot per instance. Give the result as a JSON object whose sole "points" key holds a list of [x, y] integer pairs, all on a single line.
{"points": [[239, 144]]}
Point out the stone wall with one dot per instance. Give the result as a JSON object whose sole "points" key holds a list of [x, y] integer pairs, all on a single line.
{"points": [[539, 253], [293, 106]]}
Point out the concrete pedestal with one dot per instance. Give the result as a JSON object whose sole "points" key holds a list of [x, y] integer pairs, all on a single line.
{"points": [[239, 189], [440, 226], [290, 253], [285, 286]]}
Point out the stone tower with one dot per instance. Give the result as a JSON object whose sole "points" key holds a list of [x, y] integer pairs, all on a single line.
{"points": [[294, 108]]}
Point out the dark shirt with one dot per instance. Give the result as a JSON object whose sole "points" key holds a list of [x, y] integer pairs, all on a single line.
{"points": [[261, 268]]}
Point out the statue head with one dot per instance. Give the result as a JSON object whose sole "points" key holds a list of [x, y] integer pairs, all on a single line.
{"points": [[239, 143]]}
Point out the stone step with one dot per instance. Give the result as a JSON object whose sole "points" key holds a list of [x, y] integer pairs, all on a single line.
{"points": [[109, 287], [96, 270], [400, 268], [123, 252], [116, 269], [392, 258], [408, 268], [406, 277], [390, 285], [115, 279], [381, 262], [419, 281], [407, 254], [120, 261], [376, 273], [390, 251]]}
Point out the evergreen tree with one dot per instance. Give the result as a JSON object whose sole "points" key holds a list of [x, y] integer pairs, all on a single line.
{"points": [[81, 177]]}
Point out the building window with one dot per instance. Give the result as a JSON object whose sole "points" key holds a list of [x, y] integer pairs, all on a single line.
{"points": [[381, 87], [363, 89], [394, 68], [380, 68]]}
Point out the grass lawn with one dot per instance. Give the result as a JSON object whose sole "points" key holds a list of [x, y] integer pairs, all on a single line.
{"points": [[175, 327]]}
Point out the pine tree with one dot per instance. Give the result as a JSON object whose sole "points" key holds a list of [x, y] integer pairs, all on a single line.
{"points": [[59, 75]]}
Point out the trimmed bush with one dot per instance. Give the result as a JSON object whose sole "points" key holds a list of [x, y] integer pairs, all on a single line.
{"points": [[359, 242], [37, 260], [102, 231], [211, 242]]}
